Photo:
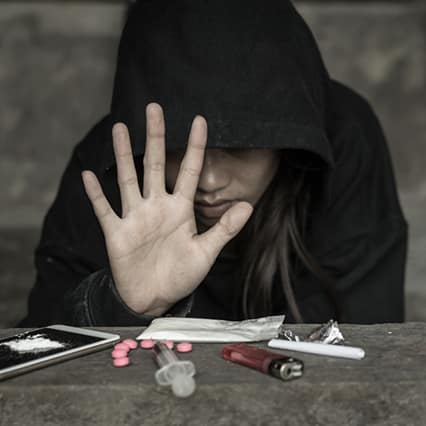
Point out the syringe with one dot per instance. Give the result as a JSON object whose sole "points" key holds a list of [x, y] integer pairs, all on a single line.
{"points": [[173, 372]]}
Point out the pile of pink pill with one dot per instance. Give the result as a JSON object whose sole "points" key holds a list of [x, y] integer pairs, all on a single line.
{"points": [[120, 353]]}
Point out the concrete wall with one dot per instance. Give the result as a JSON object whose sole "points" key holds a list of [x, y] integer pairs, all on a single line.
{"points": [[56, 71]]}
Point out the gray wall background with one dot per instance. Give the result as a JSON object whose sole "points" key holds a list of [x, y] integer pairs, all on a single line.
{"points": [[57, 63]]}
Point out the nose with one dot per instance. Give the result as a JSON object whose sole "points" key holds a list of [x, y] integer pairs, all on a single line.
{"points": [[214, 176]]}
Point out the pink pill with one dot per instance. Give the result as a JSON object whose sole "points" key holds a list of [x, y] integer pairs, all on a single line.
{"points": [[132, 344], [184, 347], [122, 347], [121, 362], [169, 343], [147, 344], [117, 353]]}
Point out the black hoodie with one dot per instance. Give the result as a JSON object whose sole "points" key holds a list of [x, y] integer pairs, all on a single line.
{"points": [[253, 70]]}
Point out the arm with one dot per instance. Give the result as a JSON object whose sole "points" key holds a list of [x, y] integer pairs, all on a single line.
{"points": [[73, 283], [147, 240]]}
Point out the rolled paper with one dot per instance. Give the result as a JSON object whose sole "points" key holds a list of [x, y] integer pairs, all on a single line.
{"points": [[338, 351]]}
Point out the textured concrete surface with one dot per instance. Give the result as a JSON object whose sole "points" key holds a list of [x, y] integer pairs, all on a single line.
{"points": [[380, 50], [56, 72], [17, 273], [385, 388]]}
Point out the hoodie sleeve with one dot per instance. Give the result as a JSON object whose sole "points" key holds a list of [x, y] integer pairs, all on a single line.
{"points": [[359, 235], [73, 283]]}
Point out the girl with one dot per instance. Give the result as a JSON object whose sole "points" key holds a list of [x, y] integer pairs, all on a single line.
{"points": [[282, 200]]}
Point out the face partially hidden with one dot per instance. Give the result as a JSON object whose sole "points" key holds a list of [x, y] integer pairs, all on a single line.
{"points": [[227, 176]]}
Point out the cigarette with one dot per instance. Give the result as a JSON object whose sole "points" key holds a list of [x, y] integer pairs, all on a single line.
{"points": [[339, 351]]}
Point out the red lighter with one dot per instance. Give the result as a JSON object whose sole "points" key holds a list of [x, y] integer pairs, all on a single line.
{"points": [[272, 363]]}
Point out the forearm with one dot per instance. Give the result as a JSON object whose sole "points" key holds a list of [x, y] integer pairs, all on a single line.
{"points": [[93, 302]]}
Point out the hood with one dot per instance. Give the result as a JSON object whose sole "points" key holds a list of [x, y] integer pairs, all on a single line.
{"points": [[251, 67]]}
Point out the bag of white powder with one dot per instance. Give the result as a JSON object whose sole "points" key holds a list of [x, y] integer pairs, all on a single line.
{"points": [[210, 330]]}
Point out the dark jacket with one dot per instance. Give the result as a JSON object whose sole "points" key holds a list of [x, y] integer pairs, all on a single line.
{"points": [[256, 75]]}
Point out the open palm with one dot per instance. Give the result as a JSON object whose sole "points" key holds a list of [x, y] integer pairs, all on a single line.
{"points": [[155, 254]]}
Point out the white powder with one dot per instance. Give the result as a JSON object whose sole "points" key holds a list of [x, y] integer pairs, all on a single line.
{"points": [[36, 343]]}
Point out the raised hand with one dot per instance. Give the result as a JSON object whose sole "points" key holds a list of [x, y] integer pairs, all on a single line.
{"points": [[155, 254]]}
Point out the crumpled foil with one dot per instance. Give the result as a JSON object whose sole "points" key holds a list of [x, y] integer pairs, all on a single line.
{"points": [[327, 333]]}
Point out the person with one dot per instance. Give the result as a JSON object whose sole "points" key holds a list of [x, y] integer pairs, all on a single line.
{"points": [[279, 199]]}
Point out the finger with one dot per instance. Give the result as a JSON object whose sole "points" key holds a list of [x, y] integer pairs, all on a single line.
{"points": [[154, 157], [126, 172], [103, 211], [229, 225], [192, 163]]}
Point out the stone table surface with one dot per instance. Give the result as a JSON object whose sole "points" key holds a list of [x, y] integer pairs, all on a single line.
{"points": [[387, 387]]}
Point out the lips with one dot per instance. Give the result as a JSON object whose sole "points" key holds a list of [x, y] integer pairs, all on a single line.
{"points": [[213, 211]]}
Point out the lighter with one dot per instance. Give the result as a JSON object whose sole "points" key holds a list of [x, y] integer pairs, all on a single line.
{"points": [[272, 363]]}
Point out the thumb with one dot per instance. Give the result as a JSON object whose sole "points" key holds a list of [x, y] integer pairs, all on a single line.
{"points": [[229, 225]]}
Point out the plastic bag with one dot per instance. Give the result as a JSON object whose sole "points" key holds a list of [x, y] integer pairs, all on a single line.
{"points": [[211, 330]]}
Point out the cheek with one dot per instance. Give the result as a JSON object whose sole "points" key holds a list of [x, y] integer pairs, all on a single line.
{"points": [[172, 171], [258, 176]]}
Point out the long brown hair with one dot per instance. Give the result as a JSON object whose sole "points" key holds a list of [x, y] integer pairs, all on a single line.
{"points": [[273, 240]]}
